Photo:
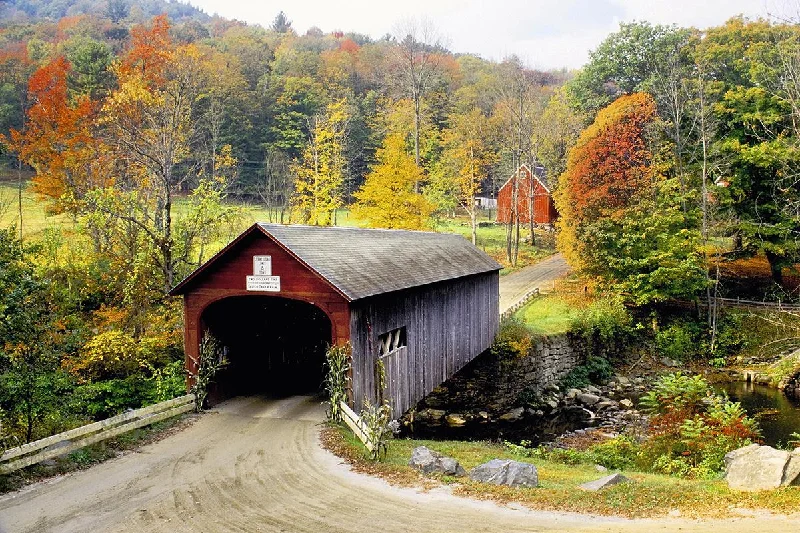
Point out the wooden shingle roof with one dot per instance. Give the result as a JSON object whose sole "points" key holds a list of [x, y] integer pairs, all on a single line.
{"points": [[363, 262]]}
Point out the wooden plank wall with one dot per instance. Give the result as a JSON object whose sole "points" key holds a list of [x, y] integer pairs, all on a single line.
{"points": [[447, 325]]}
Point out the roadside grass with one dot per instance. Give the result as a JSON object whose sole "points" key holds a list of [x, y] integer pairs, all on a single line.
{"points": [[647, 496], [549, 315], [95, 453]]}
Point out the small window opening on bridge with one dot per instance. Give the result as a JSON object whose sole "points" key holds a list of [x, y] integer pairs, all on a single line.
{"points": [[391, 341]]}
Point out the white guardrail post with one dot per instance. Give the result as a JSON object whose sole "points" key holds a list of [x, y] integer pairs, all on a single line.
{"points": [[357, 425]]}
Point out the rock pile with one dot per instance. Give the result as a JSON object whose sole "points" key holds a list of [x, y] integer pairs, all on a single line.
{"points": [[609, 408]]}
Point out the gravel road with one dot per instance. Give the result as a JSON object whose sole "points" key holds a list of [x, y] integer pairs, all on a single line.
{"points": [[255, 465], [514, 287]]}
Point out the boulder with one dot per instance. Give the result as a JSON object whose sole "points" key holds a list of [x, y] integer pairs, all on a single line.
{"points": [[588, 399], [513, 415], [591, 389], [506, 472], [572, 394], [431, 462], [606, 404], [603, 482], [455, 420], [755, 467], [627, 403]]}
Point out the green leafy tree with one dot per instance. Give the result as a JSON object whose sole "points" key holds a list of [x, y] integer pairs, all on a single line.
{"points": [[625, 62], [29, 379], [756, 134]]}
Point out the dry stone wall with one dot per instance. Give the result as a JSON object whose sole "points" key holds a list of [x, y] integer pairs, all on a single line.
{"points": [[496, 384]]}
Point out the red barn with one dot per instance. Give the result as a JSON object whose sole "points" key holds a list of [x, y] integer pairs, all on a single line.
{"points": [[532, 191]]}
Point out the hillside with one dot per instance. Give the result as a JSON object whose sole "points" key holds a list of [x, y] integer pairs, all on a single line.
{"points": [[117, 10]]}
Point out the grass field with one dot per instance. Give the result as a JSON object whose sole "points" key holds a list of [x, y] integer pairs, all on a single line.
{"points": [[647, 495], [38, 224]]}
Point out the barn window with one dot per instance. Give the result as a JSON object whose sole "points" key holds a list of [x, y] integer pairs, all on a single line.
{"points": [[391, 341]]}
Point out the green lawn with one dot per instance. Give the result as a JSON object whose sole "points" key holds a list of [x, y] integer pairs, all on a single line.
{"points": [[548, 315], [35, 218]]}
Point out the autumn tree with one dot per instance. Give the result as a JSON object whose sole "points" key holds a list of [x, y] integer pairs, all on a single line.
{"points": [[467, 159], [320, 172], [417, 59], [15, 69], [388, 199], [58, 139], [620, 220], [148, 123]]}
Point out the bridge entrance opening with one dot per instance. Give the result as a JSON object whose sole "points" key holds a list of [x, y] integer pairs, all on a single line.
{"points": [[275, 346]]}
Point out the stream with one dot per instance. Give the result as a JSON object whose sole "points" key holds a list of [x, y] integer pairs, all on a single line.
{"points": [[777, 415]]}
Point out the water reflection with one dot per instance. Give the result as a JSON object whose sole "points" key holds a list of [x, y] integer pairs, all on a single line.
{"points": [[777, 415]]}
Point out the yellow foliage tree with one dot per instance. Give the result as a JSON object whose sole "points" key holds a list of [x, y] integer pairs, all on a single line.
{"points": [[320, 174], [467, 158], [387, 198]]}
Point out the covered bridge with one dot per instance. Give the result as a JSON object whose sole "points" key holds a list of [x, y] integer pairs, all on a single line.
{"points": [[424, 303]]}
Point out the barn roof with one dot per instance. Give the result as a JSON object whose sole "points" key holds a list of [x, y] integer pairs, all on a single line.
{"points": [[539, 174], [361, 262]]}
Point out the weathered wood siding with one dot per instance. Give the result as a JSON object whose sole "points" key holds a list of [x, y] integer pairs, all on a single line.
{"points": [[447, 325]]}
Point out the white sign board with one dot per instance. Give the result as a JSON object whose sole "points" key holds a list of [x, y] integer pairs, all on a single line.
{"points": [[264, 283], [262, 265]]}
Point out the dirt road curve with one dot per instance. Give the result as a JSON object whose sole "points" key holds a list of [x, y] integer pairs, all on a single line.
{"points": [[514, 287], [255, 465]]}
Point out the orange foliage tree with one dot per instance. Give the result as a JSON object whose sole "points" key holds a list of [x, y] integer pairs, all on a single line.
{"points": [[58, 140], [608, 166], [621, 220]]}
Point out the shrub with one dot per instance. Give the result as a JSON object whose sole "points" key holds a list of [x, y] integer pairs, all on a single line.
{"points": [[513, 340], [691, 428], [680, 340], [605, 321], [618, 453], [676, 392], [595, 370]]}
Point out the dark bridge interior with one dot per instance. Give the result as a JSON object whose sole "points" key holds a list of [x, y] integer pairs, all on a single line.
{"points": [[275, 346]]}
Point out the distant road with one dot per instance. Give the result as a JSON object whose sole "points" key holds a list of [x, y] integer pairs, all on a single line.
{"points": [[515, 286]]}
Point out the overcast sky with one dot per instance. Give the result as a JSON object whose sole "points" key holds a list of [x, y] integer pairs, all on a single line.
{"points": [[544, 33]]}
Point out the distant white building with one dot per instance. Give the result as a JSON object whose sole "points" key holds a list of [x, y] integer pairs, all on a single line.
{"points": [[486, 203]]}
